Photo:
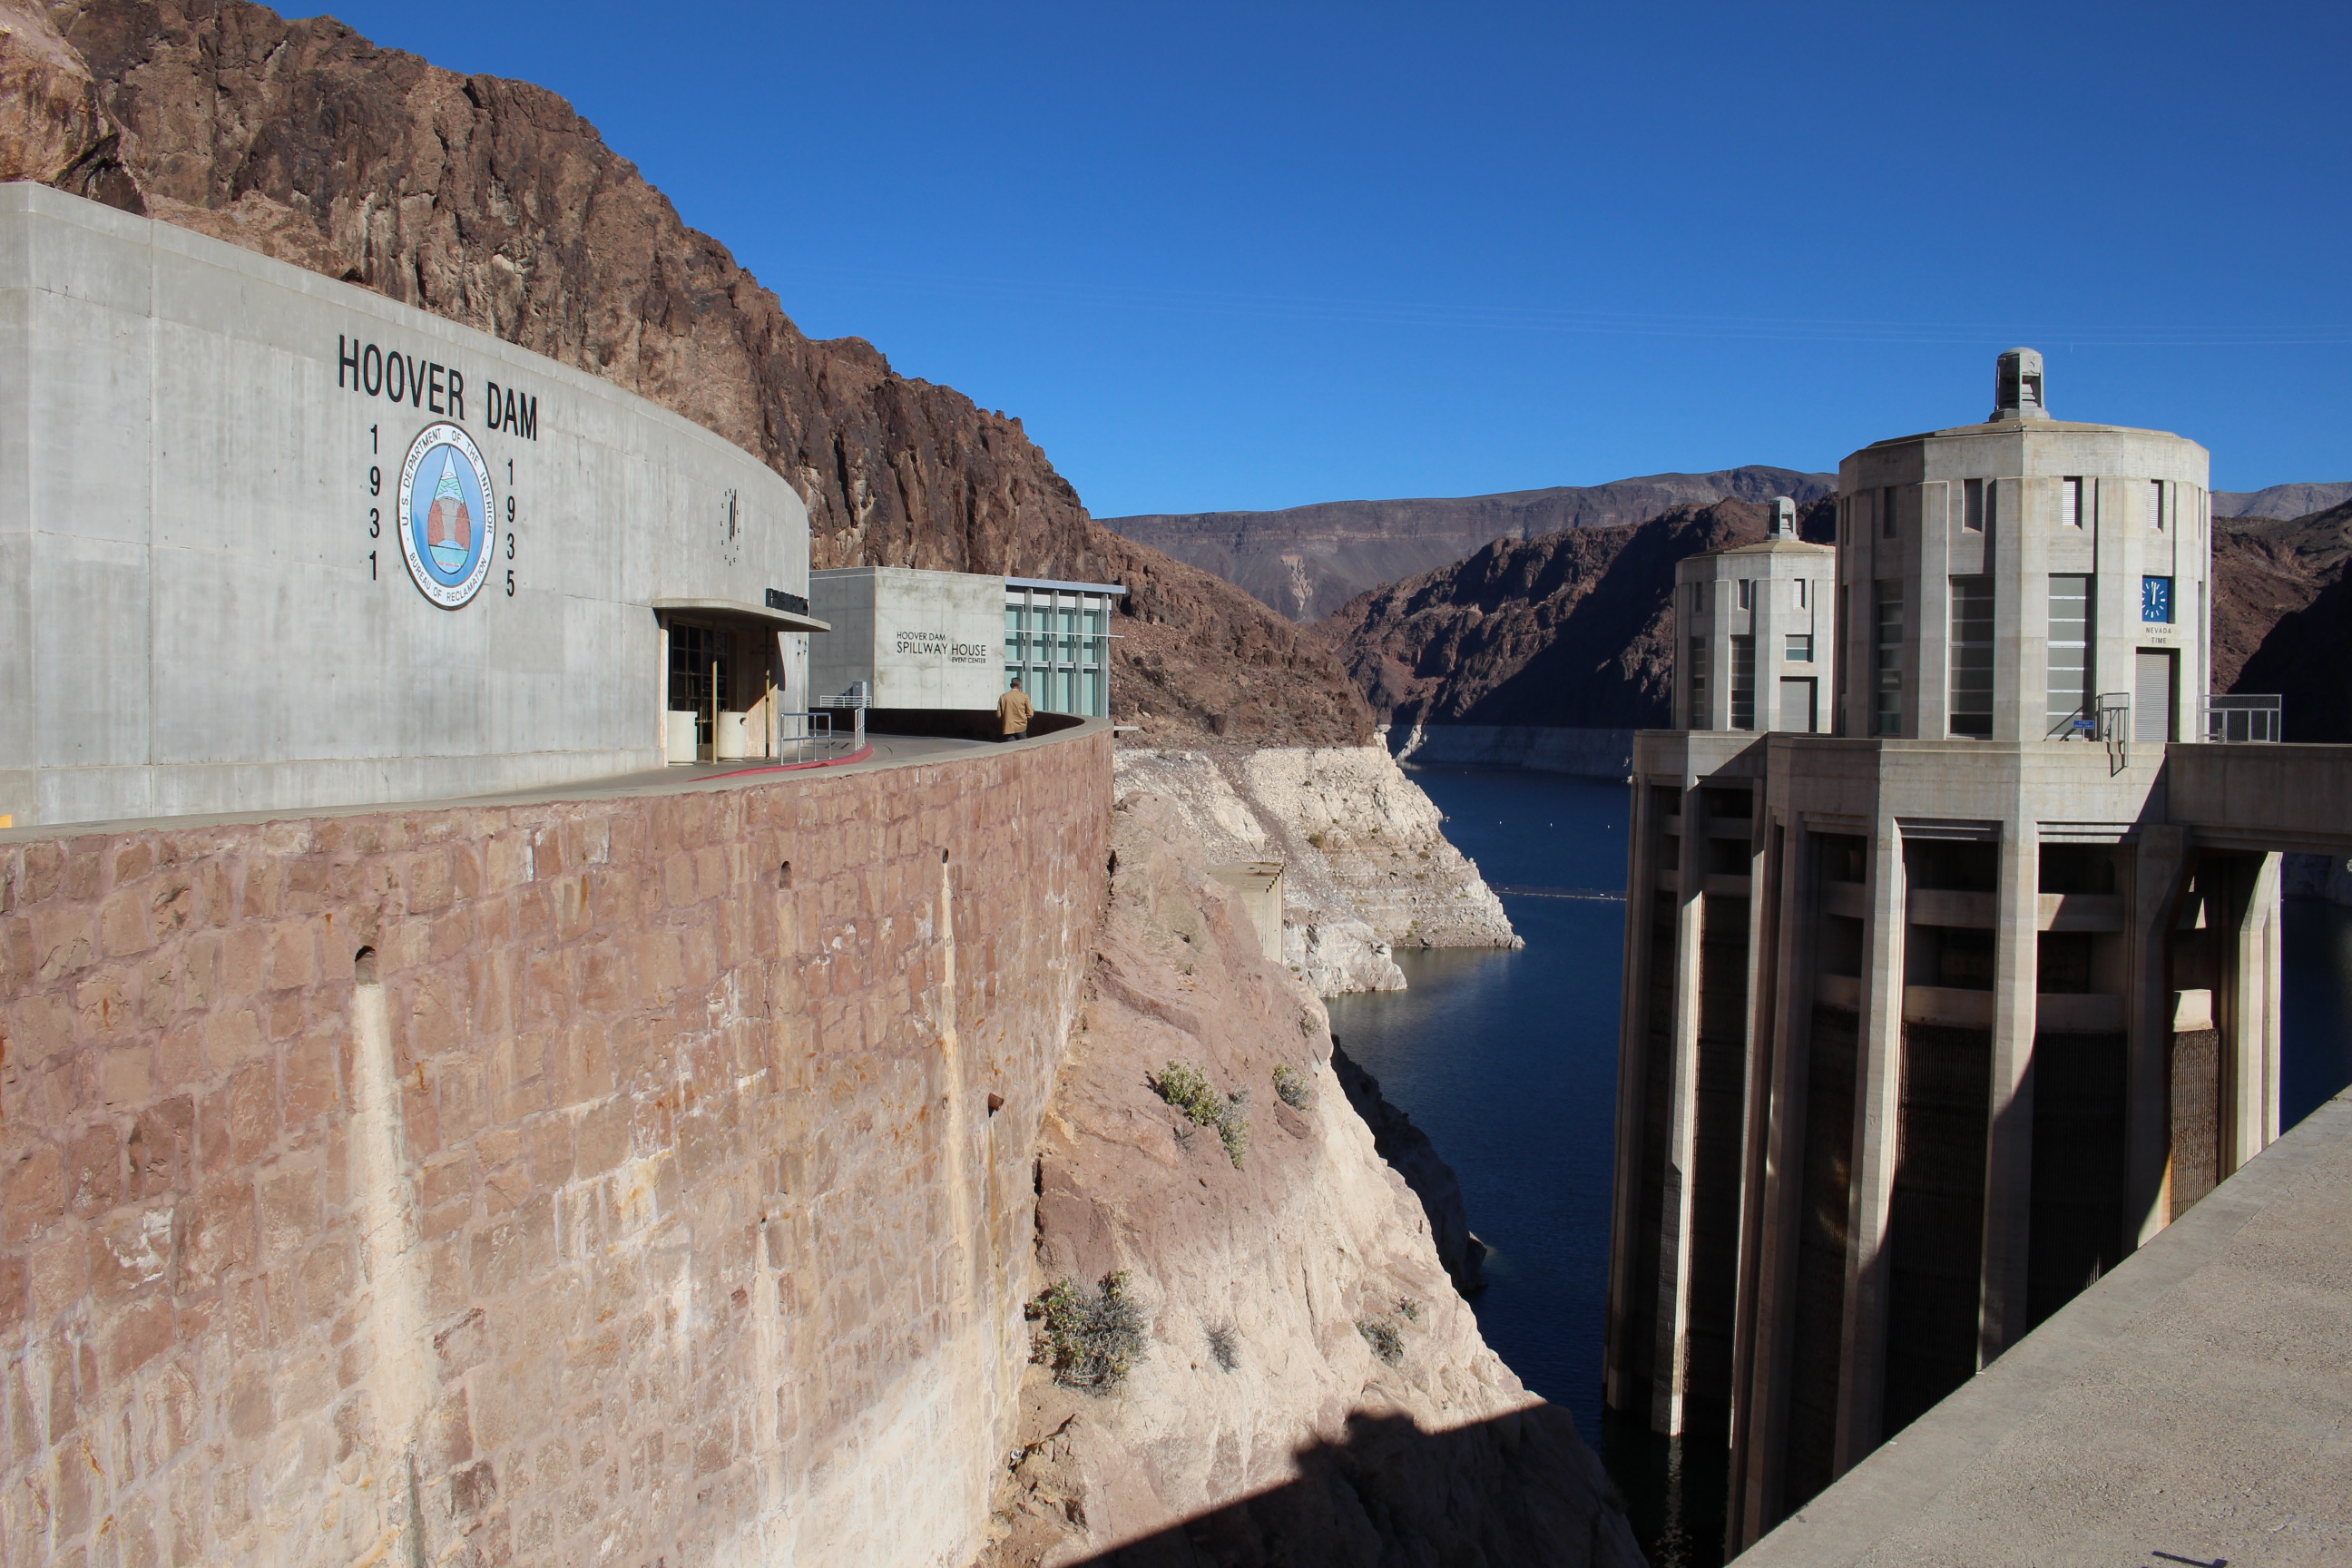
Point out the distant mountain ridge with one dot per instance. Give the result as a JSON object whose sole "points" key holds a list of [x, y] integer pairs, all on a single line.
{"points": [[2281, 500], [1307, 560], [1575, 630]]}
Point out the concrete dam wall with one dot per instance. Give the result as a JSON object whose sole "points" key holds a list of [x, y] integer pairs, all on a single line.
{"points": [[632, 1179]]}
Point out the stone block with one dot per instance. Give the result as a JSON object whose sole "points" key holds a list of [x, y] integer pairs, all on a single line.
{"points": [[122, 924], [611, 1017]]}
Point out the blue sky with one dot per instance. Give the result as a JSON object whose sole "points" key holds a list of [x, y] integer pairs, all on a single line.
{"points": [[1254, 256]]}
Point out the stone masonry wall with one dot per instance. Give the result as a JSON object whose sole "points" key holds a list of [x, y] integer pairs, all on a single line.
{"points": [[653, 1203]]}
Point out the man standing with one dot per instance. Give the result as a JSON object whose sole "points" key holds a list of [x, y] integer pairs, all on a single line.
{"points": [[1012, 712]]}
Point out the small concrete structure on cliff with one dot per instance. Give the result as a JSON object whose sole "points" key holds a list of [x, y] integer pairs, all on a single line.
{"points": [[1930, 1022], [277, 541], [958, 639]]}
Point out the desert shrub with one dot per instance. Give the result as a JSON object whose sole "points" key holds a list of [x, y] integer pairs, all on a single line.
{"points": [[1225, 1346], [1187, 1088], [1291, 1086], [1091, 1337], [1316, 839], [1382, 1336], [1408, 1309]]}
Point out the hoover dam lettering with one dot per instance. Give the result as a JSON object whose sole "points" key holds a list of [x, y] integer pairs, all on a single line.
{"points": [[377, 371]]}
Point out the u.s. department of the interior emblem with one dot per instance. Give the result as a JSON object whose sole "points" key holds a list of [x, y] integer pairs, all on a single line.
{"points": [[445, 521]]}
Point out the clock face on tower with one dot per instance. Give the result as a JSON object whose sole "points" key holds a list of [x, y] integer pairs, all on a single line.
{"points": [[2155, 599]]}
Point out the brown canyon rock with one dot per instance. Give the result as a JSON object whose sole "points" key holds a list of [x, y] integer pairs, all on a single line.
{"points": [[1572, 629], [494, 204], [2283, 617], [1300, 1444]]}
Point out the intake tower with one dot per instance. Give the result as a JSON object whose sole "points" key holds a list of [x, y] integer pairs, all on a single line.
{"points": [[1932, 1018]]}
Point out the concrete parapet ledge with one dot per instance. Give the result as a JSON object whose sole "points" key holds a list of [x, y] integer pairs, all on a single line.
{"points": [[882, 751], [2194, 1406]]}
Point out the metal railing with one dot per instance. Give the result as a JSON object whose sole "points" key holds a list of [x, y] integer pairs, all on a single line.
{"points": [[807, 737], [2249, 716], [855, 703]]}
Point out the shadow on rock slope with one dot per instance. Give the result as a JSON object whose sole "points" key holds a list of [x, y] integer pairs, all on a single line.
{"points": [[1311, 1388]]}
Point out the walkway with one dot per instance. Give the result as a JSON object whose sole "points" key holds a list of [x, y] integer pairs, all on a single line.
{"points": [[2195, 1406]]}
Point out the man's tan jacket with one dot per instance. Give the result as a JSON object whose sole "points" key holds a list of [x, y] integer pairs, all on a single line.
{"points": [[1013, 709]]}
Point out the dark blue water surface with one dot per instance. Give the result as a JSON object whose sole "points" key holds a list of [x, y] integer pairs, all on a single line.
{"points": [[1508, 1060]]}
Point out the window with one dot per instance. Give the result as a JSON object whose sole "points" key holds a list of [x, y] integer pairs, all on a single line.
{"points": [[1886, 512], [2156, 505], [697, 675], [1804, 593], [1888, 719], [2069, 502], [1747, 593], [1971, 712], [1696, 662], [2069, 710], [1972, 507], [1699, 598], [1801, 647], [1743, 683], [1058, 642], [2156, 600], [1993, 507]]}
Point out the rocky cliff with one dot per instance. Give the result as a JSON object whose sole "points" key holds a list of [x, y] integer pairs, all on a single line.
{"points": [[2283, 617], [1307, 560], [1305, 1387], [1367, 866], [492, 203], [1572, 630]]}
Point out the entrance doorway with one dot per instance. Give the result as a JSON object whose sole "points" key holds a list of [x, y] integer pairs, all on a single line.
{"points": [[698, 678], [1799, 705], [2155, 695]]}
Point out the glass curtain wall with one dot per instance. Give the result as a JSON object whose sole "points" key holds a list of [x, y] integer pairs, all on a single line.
{"points": [[1058, 640]]}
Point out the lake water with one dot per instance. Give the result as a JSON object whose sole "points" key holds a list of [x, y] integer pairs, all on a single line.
{"points": [[1508, 1061]]}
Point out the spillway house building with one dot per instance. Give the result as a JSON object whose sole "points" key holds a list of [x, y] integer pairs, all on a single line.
{"points": [[1952, 941]]}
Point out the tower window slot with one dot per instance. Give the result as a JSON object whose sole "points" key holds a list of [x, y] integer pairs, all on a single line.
{"points": [[1888, 719], [2069, 710], [1971, 712], [1743, 683]]}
